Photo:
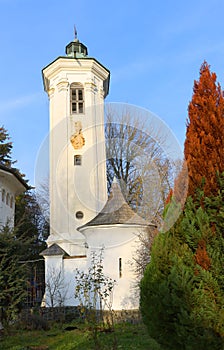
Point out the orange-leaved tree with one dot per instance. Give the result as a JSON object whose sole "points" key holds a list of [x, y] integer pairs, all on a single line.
{"points": [[182, 293], [204, 144]]}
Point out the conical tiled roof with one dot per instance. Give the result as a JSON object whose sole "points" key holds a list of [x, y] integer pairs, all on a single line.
{"points": [[116, 211]]}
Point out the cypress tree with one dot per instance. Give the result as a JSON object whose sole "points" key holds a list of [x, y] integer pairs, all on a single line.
{"points": [[182, 291], [204, 144]]}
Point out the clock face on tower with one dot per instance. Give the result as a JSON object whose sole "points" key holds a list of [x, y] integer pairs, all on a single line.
{"points": [[77, 139]]}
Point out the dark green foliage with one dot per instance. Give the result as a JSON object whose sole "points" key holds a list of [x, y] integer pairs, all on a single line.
{"points": [[5, 147], [32, 228], [21, 245], [12, 276], [182, 292], [31, 224]]}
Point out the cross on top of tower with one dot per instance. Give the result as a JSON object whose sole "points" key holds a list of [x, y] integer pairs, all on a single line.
{"points": [[75, 34]]}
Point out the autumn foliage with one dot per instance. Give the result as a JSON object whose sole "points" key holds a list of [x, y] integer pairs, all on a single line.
{"points": [[169, 197], [182, 291], [204, 144], [201, 256]]}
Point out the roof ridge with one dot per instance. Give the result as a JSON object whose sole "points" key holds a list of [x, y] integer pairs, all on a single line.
{"points": [[53, 249], [16, 173]]}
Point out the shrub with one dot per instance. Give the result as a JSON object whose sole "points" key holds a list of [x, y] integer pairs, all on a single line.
{"points": [[182, 292]]}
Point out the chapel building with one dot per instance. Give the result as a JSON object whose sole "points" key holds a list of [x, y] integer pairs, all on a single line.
{"points": [[82, 217]]}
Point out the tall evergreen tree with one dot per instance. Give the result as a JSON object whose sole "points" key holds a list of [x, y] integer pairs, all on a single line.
{"points": [[32, 228], [204, 144], [5, 147], [23, 244], [30, 222], [13, 275], [182, 292]]}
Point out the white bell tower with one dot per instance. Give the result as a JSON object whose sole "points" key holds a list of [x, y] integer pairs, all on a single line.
{"points": [[76, 85]]}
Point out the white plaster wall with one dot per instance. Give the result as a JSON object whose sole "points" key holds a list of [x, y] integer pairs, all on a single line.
{"points": [[122, 242], [84, 188], [67, 268], [53, 268], [12, 187], [70, 266], [74, 188], [6, 213]]}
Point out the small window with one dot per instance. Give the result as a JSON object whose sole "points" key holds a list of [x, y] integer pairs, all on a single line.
{"points": [[79, 215], [120, 267], [74, 109], [77, 99], [11, 202], [80, 92], [3, 195], [77, 160], [80, 107]]}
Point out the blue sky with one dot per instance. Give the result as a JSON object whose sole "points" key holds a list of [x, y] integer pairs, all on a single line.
{"points": [[153, 49]]}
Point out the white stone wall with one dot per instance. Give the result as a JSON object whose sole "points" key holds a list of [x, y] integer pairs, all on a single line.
{"points": [[118, 242], [75, 188], [10, 186], [83, 188], [6, 210]]}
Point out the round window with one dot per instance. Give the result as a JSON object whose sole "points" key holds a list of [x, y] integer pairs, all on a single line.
{"points": [[79, 214]]}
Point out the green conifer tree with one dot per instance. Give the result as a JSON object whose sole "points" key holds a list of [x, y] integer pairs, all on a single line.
{"points": [[182, 292], [13, 276], [5, 147]]}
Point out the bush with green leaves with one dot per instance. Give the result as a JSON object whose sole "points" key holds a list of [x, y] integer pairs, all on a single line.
{"points": [[182, 291]]}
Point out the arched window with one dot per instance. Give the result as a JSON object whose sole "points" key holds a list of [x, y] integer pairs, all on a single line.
{"points": [[3, 195], [7, 198], [77, 98], [11, 202]]}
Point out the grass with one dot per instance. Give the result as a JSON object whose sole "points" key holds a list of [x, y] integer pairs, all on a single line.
{"points": [[128, 337]]}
